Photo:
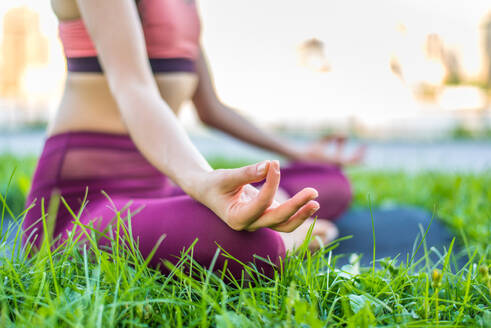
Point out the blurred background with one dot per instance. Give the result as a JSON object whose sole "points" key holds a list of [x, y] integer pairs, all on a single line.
{"points": [[411, 78]]}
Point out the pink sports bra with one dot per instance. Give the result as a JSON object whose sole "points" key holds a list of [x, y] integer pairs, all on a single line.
{"points": [[171, 29]]}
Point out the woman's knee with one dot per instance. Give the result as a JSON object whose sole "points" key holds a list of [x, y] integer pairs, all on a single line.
{"points": [[335, 195], [345, 193]]}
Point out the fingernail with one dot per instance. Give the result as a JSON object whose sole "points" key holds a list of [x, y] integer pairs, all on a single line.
{"points": [[276, 165], [315, 209], [261, 168]]}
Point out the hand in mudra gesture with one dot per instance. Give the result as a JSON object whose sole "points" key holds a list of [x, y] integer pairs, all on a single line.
{"points": [[241, 206], [316, 151]]}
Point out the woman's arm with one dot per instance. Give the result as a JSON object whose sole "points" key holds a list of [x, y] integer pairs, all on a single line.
{"points": [[214, 113], [115, 29]]}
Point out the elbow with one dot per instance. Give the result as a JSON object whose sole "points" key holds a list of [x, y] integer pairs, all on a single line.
{"points": [[125, 88], [131, 94], [208, 108], [210, 111], [207, 114], [207, 119]]}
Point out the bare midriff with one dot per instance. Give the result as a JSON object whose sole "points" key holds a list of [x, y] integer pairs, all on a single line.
{"points": [[89, 105]]}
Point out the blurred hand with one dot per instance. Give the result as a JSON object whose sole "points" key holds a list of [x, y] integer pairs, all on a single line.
{"points": [[316, 151], [228, 193]]}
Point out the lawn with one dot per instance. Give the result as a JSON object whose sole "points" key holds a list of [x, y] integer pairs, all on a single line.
{"points": [[85, 286]]}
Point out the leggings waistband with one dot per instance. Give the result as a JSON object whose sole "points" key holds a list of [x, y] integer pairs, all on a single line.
{"points": [[90, 139], [74, 160]]}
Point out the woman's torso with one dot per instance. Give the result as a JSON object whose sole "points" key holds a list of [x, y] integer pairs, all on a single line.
{"points": [[87, 103]]}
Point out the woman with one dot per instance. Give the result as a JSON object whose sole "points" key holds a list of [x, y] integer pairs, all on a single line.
{"points": [[116, 131]]}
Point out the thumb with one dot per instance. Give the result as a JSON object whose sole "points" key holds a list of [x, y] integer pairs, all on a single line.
{"points": [[238, 177]]}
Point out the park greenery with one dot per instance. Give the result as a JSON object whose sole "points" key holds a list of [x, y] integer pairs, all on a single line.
{"points": [[82, 285]]}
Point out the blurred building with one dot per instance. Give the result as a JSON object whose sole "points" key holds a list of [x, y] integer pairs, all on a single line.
{"points": [[486, 27], [23, 47]]}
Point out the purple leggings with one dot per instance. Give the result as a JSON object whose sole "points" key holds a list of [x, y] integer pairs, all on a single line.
{"points": [[71, 162]]}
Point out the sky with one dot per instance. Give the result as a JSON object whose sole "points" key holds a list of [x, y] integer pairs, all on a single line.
{"points": [[251, 46]]}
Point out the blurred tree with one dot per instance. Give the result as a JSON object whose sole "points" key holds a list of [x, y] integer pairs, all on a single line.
{"points": [[312, 56], [436, 50]]}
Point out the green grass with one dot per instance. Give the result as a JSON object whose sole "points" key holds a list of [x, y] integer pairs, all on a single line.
{"points": [[88, 287], [15, 179], [461, 132]]}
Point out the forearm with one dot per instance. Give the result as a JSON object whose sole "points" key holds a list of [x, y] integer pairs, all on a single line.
{"points": [[116, 31], [228, 120], [161, 138]]}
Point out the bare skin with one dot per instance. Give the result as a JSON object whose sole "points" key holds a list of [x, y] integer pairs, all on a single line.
{"points": [[322, 234], [96, 102]]}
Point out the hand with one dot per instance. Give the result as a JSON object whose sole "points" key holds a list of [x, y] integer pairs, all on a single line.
{"points": [[316, 152], [243, 207]]}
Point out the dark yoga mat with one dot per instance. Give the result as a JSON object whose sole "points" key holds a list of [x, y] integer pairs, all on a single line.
{"points": [[396, 230]]}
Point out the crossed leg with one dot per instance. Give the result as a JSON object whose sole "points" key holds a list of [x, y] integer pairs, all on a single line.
{"points": [[183, 220]]}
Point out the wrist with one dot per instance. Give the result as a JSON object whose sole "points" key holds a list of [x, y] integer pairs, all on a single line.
{"points": [[194, 181], [201, 187]]}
